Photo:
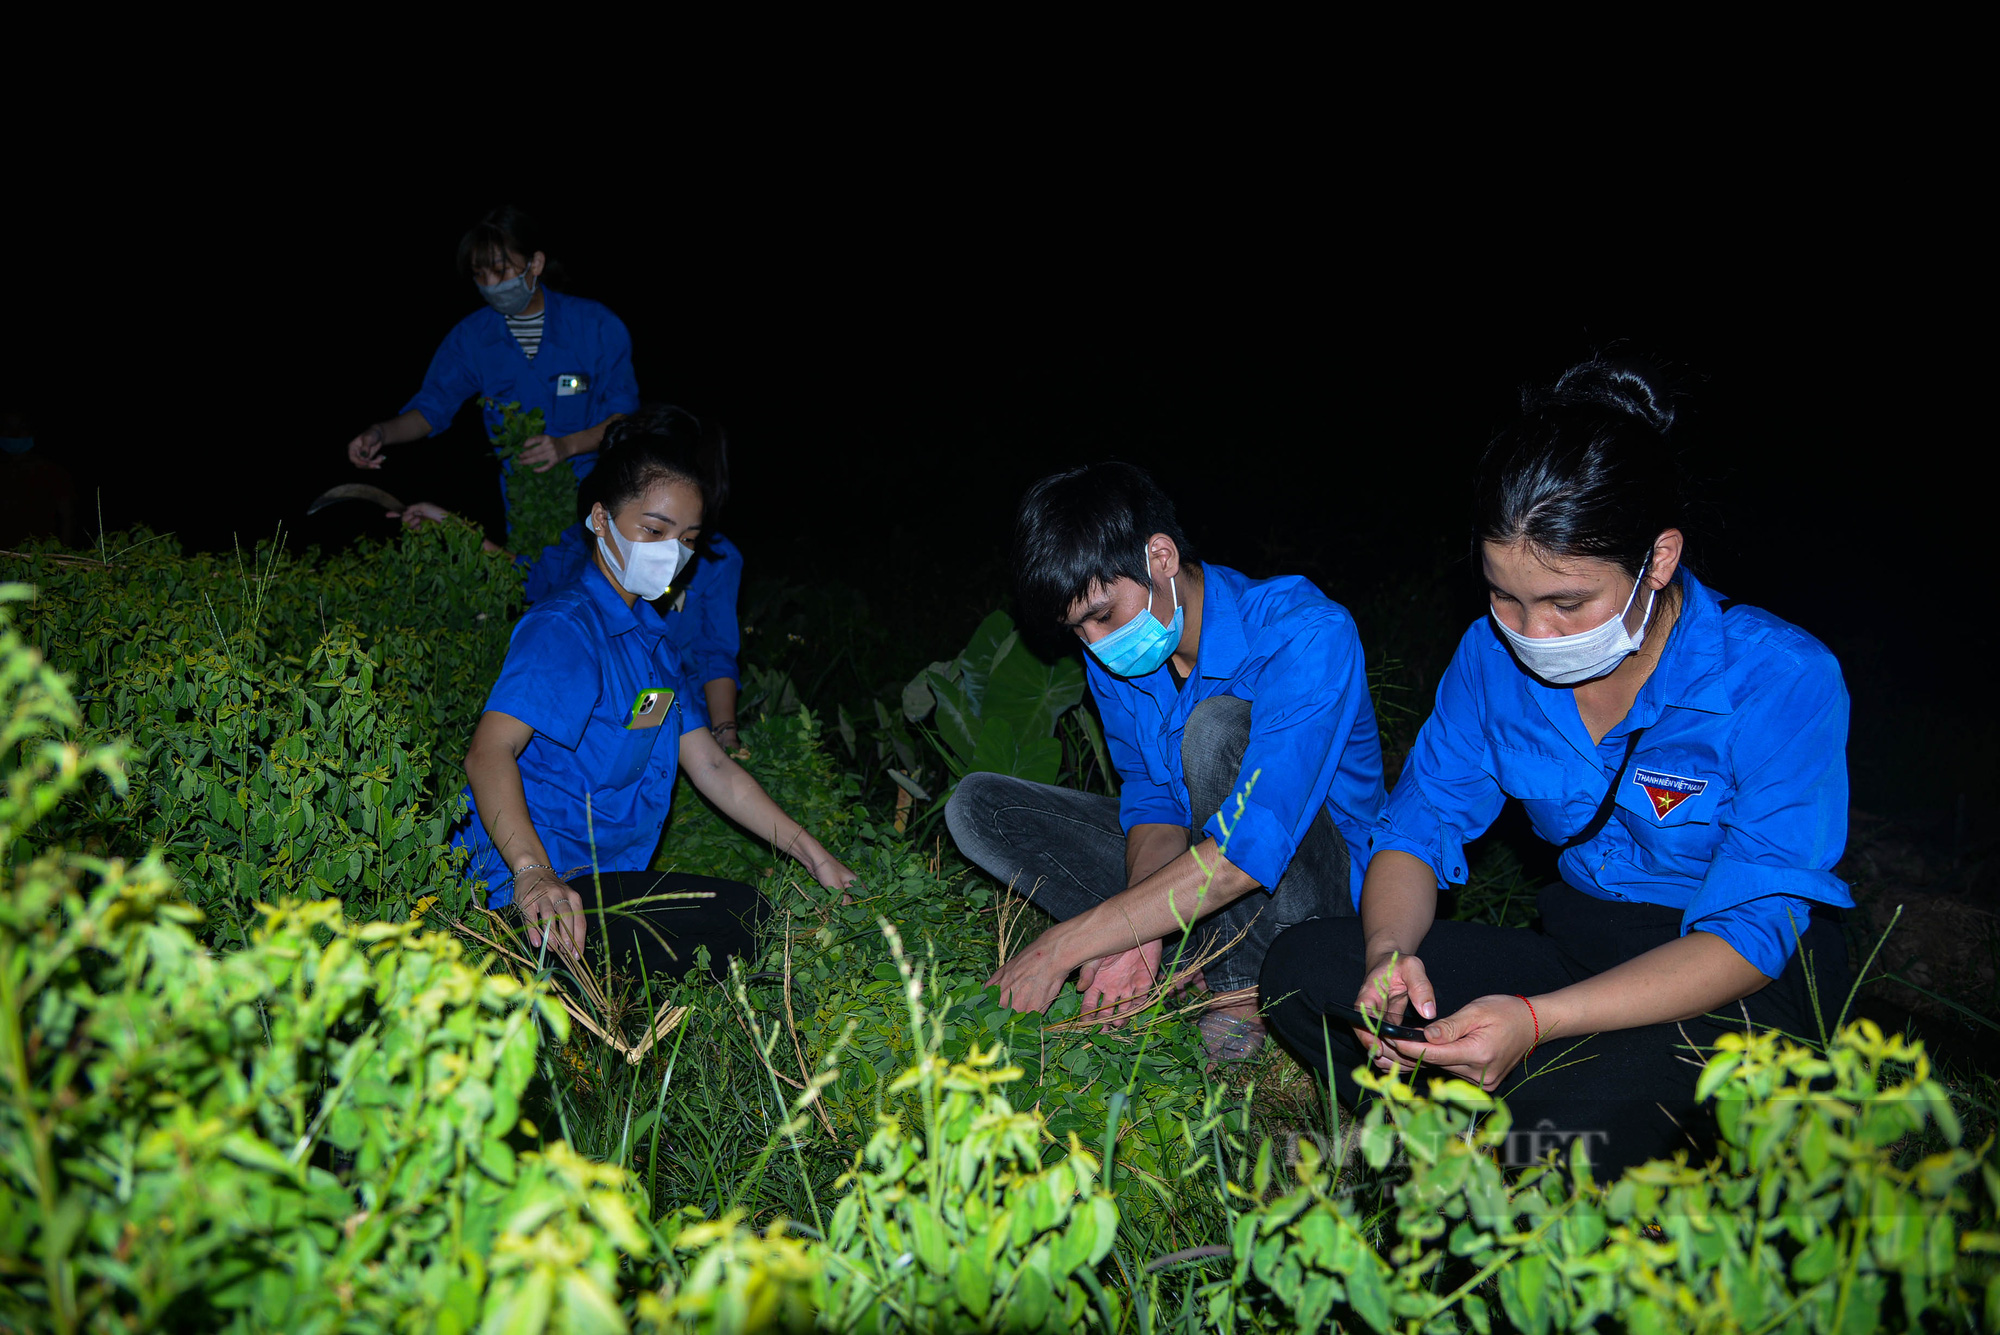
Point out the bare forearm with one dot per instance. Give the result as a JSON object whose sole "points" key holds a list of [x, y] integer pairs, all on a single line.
{"points": [[1398, 904], [741, 798], [721, 697], [503, 805], [405, 428], [1691, 976], [587, 440], [1190, 886]]}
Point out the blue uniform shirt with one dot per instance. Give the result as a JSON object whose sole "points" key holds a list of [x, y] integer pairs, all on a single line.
{"points": [[577, 663], [1295, 655], [703, 627], [480, 356], [1733, 810]]}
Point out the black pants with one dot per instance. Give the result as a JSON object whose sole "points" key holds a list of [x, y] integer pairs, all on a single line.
{"points": [[1065, 850], [1631, 1092], [661, 937]]}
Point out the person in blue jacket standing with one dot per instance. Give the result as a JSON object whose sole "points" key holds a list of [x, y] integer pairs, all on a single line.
{"points": [[1238, 718], [1686, 754], [571, 769], [699, 609], [568, 356]]}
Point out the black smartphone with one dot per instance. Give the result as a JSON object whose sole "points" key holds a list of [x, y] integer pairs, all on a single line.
{"points": [[1354, 1018]]}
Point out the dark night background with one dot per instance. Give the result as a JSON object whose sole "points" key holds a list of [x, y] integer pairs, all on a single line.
{"points": [[1308, 348]]}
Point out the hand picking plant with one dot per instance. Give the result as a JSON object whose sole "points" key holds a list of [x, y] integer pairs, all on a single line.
{"points": [[539, 505]]}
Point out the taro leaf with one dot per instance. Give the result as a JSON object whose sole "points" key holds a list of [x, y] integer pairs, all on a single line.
{"points": [[909, 785], [958, 719], [981, 652], [905, 750], [917, 698], [1003, 750], [1029, 693]]}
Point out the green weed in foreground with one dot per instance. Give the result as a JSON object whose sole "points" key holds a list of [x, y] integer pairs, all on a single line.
{"points": [[294, 724], [168, 1115]]}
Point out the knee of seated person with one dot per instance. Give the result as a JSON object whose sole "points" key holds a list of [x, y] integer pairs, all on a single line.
{"points": [[1217, 727], [969, 801]]}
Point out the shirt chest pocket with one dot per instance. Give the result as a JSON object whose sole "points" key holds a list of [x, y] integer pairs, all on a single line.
{"points": [[1531, 777], [632, 752], [1546, 787], [1672, 787]]}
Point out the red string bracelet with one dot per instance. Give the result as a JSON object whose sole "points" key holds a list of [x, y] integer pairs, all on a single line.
{"points": [[1538, 1027]]}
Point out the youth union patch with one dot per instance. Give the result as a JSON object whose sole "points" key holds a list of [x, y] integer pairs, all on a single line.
{"points": [[1667, 790]]}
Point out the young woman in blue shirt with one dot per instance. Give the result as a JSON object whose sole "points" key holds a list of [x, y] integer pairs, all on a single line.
{"points": [[573, 763], [1686, 754], [699, 609], [531, 345]]}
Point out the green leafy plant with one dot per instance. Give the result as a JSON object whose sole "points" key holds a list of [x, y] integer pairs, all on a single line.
{"points": [[785, 756], [272, 752], [539, 505], [320, 1130], [997, 708]]}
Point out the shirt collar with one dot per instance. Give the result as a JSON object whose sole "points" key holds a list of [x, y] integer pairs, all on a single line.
{"points": [[610, 605], [1689, 674], [1692, 667], [551, 302], [1222, 644]]}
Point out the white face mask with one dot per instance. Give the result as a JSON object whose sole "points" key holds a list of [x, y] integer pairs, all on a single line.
{"points": [[1569, 660], [643, 569]]}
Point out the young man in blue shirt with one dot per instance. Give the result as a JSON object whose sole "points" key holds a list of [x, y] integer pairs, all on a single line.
{"points": [[1238, 718]]}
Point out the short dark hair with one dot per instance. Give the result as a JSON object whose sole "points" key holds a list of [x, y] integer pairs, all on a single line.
{"points": [[1589, 470], [1088, 526], [660, 442], [502, 231]]}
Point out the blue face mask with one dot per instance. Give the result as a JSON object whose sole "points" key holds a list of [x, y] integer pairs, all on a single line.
{"points": [[509, 296], [1142, 645], [17, 444]]}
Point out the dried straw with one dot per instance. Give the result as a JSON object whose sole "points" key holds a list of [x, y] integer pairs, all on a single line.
{"points": [[667, 1020]]}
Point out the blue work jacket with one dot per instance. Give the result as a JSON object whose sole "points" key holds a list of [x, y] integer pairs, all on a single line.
{"points": [[481, 357], [1733, 808], [1295, 655], [702, 624], [578, 663]]}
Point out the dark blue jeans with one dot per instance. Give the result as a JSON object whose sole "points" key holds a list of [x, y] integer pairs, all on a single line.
{"points": [[1065, 850]]}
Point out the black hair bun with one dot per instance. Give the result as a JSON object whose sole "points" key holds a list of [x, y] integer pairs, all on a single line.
{"points": [[1622, 385], [648, 419]]}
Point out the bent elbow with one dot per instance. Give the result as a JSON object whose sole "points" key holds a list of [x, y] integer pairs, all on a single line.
{"points": [[484, 752]]}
